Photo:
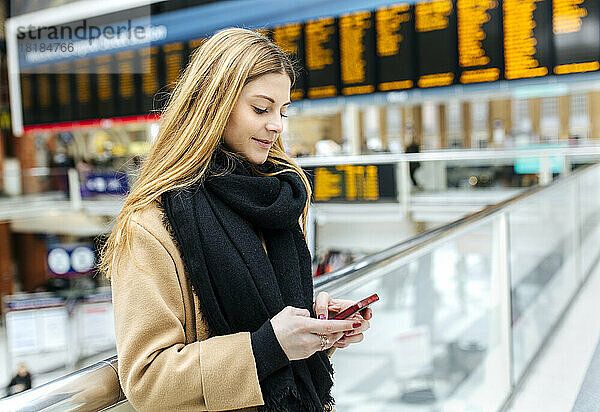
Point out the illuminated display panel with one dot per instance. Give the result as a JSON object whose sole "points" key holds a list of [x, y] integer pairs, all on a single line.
{"points": [[148, 57], [174, 56], [66, 91], [527, 38], [479, 40], [128, 83], [576, 27], [28, 98], [395, 35], [322, 57], [353, 183], [290, 38], [357, 60], [43, 85], [84, 98], [435, 28], [105, 85]]}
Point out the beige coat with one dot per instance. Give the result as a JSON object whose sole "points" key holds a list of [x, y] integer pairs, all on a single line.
{"points": [[166, 362]]}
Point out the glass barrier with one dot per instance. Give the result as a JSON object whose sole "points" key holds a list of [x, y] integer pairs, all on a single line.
{"points": [[464, 308], [436, 341], [461, 318]]}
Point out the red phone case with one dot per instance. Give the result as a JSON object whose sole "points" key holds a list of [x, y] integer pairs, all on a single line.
{"points": [[356, 307]]}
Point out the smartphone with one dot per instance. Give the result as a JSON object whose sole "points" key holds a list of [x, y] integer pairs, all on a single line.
{"points": [[356, 307]]}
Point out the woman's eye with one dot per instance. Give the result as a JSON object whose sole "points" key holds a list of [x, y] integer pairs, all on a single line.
{"points": [[261, 111]]}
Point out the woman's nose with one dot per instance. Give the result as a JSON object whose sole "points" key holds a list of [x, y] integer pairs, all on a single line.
{"points": [[275, 124]]}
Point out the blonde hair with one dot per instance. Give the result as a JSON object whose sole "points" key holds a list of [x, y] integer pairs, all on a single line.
{"points": [[192, 124]]}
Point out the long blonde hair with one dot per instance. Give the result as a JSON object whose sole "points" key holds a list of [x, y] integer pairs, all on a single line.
{"points": [[192, 123]]}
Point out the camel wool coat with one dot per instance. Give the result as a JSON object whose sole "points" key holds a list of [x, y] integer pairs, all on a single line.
{"points": [[166, 360]]}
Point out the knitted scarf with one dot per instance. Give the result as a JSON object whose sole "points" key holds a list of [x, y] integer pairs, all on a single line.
{"points": [[238, 285]]}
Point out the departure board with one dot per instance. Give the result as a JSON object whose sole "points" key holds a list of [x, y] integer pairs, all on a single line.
{"points": [[576, 27], [43, 86], [395, 36], [290, 38], [128, 83], [150, 77], [353, 183], [322, 57], [435, 27], [105, 88], [357, 60], [65, 91], [527, 38], [174, 56], [479, 40], [86, 107], [28, 98]]}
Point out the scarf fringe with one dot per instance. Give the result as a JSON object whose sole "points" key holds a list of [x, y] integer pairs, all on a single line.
{"points": [[274, 402]]}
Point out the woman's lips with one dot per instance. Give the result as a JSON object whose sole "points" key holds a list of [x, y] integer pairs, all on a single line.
{"points": [[263, 143]]}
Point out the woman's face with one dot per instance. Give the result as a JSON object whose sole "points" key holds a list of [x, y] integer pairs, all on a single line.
{"points": [[257, 117]]}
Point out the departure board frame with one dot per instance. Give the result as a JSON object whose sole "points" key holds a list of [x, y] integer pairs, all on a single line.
{"points": [[357, 60], [576, 28], [353, 183], [357, 52], [528, 50], [290, 38], [395, 36], [85, 85], [480, 41], [128, 82], [322, 57], [436, 39]]}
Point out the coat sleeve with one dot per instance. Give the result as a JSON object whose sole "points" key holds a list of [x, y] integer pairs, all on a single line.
{"points": [[158, 370]]}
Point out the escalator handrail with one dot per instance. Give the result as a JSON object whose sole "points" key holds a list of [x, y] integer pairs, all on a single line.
{"points": [[93, 388]]}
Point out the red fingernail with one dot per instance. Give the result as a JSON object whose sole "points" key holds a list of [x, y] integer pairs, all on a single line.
{"points": [[321, 316], [356, 325]]}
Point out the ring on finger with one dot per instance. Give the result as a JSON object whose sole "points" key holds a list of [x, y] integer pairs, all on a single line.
{"points": [[324, 342]]}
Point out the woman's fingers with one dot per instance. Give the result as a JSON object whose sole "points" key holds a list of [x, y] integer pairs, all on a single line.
{"points": [[347, 340], [321, 305], [328, 327], [367, 313], [364, 325]]}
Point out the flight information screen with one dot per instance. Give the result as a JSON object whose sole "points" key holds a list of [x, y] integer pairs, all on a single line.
{"points": [[148, 57], [106, 79], [127, 83], [85, 84], [290, 38], [353, 183], [66, 91], [435, 27], [576, 26], [479, 40], [395, 57], [322, 57], [357, 60], [527, 38]]}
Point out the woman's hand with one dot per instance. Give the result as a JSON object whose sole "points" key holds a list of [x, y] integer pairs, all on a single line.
{"points": [[325, 307], [299, 334]]}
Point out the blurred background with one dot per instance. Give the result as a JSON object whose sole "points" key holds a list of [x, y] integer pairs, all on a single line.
{"points": [[452, 146]]}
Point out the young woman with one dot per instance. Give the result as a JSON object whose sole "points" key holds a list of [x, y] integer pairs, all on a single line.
{"points": [[211, 276]]}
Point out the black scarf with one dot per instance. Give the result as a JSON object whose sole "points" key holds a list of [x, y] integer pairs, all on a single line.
{"points": [[238, 285]]}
